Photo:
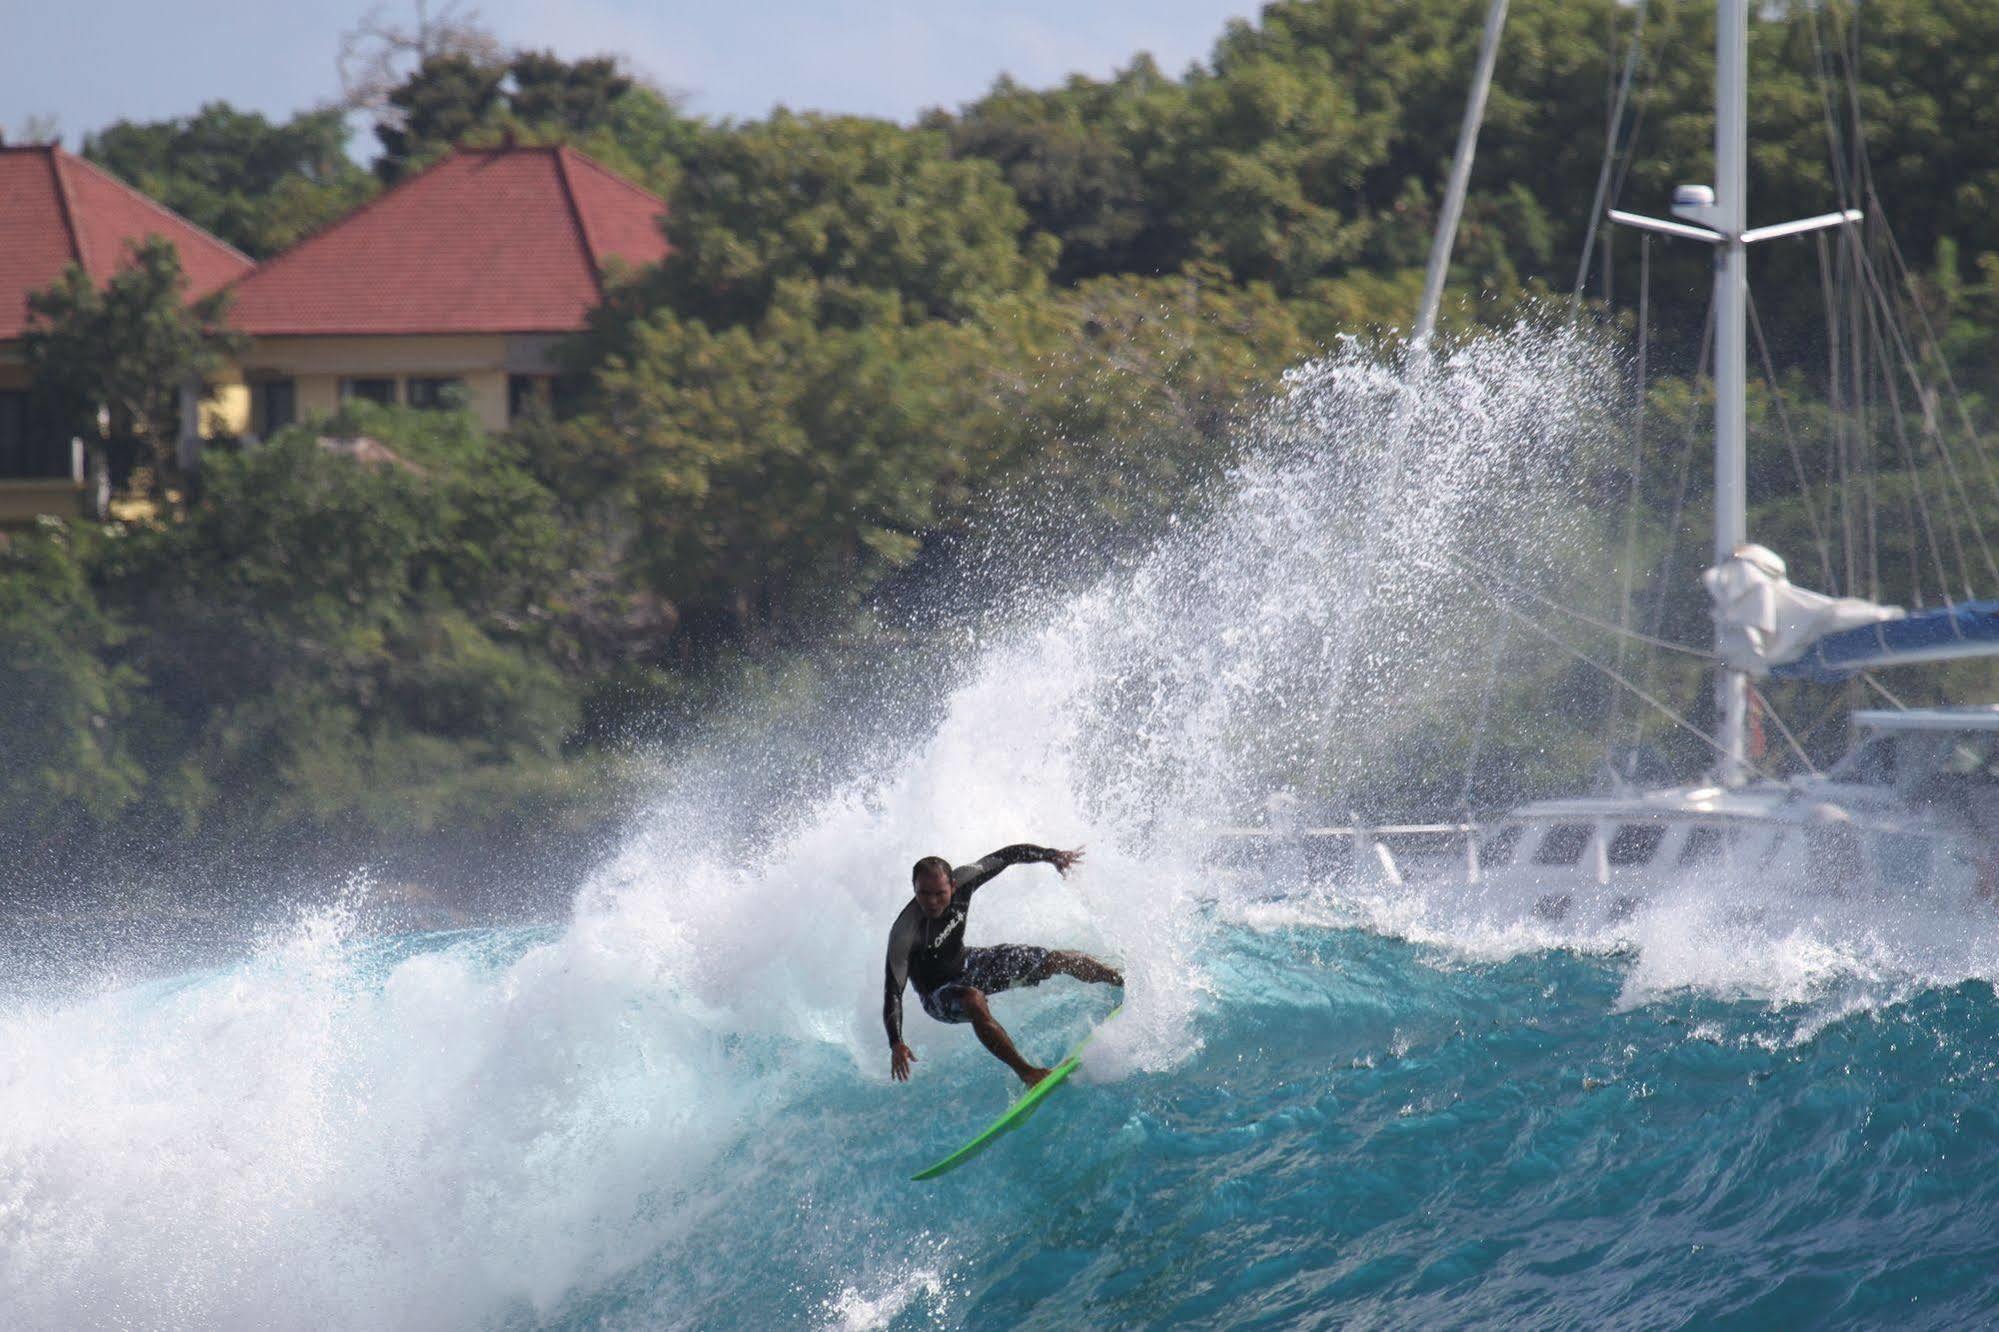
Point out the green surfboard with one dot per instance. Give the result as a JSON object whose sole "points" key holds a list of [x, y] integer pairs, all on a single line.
{"points": [[1017, 1113]]}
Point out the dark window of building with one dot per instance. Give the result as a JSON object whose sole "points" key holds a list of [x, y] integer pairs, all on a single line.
{"points": [[437, 393], [32, 440], [566, 394], [1562, 844], [14, 434], [276, 406], [1635, 843], [382, 391], [526, 393], [1704, 843], [1498, 848]]}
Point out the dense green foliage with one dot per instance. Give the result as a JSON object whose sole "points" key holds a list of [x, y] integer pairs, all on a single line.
{"points": [[361, 630], [257, 185], [63, 712], [1060, 302], [534, 96]]}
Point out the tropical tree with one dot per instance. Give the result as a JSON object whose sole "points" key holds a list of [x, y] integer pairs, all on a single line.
{"points": [[63, 758], [254, 183], [114, 362], [778, 469], [575, 96], [1068, 154], [854, 206], [445, 99]]}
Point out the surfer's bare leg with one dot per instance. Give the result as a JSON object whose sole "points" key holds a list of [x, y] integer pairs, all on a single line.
{"points": [[1082, 966], [993, 1036]]}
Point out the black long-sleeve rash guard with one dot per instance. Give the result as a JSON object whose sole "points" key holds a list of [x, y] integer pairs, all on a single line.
{"points": [[931, 952]]}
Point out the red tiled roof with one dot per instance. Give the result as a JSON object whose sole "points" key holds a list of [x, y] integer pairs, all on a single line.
{"points": [[57, 209], [507, 240]]}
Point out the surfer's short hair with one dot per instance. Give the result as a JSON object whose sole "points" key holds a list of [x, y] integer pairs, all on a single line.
{"points": [[928, 863]]}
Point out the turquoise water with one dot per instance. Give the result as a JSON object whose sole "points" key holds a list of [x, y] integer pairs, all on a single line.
{"points": [[1362, 1131], [1372, 1134]]}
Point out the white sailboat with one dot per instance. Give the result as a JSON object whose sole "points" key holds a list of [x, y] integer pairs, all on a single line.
{"points": [[1911, 812], [1914, 806]]}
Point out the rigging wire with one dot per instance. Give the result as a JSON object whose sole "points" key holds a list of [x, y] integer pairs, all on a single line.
{"points": [[1915, 491], [1882, 690], [1449, 566], [1785, 731], [1479, 724], [1836, 418], [1610, 156], [1856, 183], [1693, 730], [1665, 578], [1791, 441], [1629, 571], [1825, 715], [1908, 366]]}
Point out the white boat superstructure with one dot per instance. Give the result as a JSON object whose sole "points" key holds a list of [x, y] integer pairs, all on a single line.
{"points": [[1912, 811]]}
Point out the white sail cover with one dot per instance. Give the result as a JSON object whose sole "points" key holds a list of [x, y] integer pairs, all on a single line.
{"points": [[1765, 621]]}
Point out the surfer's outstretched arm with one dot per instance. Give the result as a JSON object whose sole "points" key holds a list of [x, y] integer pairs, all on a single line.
{"points": [[979, 872], [893, 983]]}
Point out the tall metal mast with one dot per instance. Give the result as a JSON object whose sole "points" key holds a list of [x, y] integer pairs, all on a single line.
{"points": [[1731, 353], [1722, 212], [1454, 189]]}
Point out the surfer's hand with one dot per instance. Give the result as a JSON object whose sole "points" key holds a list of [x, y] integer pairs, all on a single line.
{"points": [[1064, 861], [899, 1057]]}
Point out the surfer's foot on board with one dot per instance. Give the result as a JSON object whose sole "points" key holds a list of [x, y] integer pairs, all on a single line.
{"points": [[1082, 966], [1032, 1076]]}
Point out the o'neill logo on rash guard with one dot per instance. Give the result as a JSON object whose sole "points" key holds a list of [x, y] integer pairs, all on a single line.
{"points": [[951, 927]]}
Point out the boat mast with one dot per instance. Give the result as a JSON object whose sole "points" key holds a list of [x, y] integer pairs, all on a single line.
{"points": [[1729, 217], [1454, 189], [1721, 212]]}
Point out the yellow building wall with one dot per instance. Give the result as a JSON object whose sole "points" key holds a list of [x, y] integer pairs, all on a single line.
{"points": [[316, 366], [226, 411]]}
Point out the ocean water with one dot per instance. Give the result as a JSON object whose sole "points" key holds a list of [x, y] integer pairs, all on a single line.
{"points": [[1327, 1102]]}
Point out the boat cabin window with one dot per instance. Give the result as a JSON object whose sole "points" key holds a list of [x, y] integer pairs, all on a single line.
{"points": [[1636, 843], [1562, 844], [1498, 848], [1925, 764], [1704, 843]]}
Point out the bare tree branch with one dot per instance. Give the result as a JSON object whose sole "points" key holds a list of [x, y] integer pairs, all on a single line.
{"points": [[378, 54]]}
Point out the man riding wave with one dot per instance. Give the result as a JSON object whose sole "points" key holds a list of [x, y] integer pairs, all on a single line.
{"points": [[926, 946]]}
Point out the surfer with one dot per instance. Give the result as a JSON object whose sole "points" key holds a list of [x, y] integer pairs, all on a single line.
{"points": [[927, 946]]}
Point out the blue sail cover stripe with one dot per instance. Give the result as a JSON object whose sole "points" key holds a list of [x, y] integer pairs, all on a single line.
{"points": [[1839, 656]]}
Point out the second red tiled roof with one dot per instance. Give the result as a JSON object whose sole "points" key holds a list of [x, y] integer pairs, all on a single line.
{"points": [[510, 240]]}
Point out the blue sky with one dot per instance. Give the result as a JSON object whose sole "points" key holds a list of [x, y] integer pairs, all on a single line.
{"points": [[89, 62]]}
